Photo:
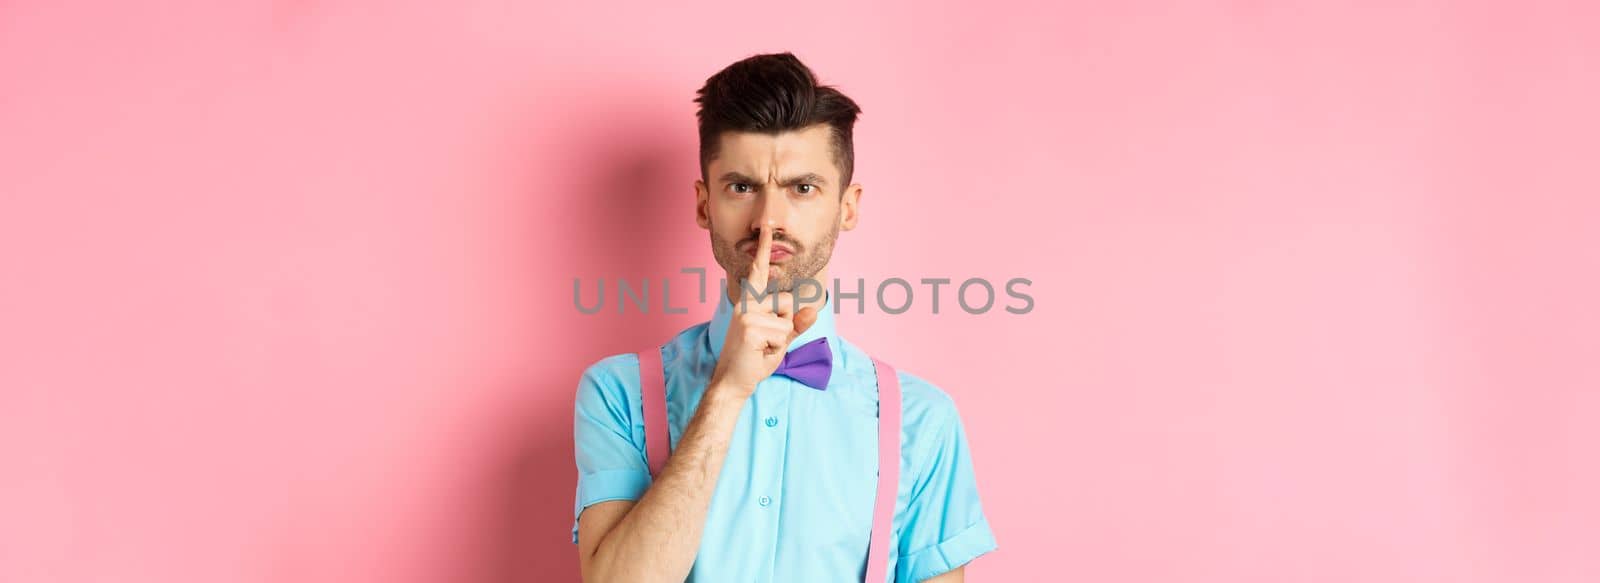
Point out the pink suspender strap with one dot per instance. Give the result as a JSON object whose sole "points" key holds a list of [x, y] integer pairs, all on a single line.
{"points": [[653, 389], [888, 472]]}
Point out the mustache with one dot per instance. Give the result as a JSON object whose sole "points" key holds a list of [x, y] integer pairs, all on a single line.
{"points": [[755, 239]]}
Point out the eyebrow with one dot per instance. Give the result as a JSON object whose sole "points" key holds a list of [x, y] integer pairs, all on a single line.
{"points": [[811, 177]]}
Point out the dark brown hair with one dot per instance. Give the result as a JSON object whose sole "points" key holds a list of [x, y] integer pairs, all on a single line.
{"points": [[773, 93]]}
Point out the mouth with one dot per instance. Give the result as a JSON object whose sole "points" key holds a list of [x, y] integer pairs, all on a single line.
{"points": [[778, 253]]}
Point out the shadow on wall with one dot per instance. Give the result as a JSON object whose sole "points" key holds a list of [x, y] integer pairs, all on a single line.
{"points": [[631, 196]]}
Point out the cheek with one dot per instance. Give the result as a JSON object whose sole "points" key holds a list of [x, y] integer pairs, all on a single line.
{"points": [[727, 225], [820, 222]]}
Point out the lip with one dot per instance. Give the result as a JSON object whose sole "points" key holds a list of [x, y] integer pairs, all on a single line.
{"points": [[779, 252]]}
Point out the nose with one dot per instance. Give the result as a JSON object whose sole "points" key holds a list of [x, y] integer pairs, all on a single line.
{"points": [[774, 208]]}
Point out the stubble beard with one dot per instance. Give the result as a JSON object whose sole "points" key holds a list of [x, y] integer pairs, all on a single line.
{"points": [[806, 262]]}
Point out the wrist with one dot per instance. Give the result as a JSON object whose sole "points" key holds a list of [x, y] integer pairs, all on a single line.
{"points": [[723, 390]]}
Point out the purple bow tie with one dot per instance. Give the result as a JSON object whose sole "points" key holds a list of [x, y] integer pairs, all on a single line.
{"points": [[811, 364]]}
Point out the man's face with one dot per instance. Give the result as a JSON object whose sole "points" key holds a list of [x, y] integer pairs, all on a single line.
{"points": [[789, 179]]}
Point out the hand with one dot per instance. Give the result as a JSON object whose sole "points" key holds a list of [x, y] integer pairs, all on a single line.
{"points": [[758, 335]]}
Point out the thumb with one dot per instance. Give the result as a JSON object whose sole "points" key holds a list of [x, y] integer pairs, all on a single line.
{"points": [[803, 319]]}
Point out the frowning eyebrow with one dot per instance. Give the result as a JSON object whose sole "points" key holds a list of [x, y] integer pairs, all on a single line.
{"points": [[807, 178]]}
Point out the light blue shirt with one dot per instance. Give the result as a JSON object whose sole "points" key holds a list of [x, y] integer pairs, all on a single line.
{"points": [[795, 497]]}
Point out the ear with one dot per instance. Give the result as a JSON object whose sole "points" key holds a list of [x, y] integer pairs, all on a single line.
{"points": [[702, 205], [850, 207]]}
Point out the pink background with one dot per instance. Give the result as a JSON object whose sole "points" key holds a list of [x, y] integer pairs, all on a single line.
{"points": [[287, 286]]}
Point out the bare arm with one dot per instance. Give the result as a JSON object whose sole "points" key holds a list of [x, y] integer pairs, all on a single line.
{"points": [[956, 575], [657, 538]]}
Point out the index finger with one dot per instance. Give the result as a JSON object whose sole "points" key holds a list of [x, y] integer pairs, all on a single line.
{"points": [[763, 260]]}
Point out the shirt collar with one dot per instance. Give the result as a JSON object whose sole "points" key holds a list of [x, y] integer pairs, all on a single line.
{"points": [[822, 328]]}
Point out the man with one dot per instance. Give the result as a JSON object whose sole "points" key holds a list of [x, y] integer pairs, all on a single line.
{"points": [[769, 478]]}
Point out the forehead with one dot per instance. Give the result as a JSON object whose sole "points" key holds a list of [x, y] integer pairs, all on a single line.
{"points": [[776, 156]]}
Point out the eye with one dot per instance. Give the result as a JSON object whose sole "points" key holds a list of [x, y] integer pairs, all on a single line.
{"points": [[807, 188], [740, 188]]}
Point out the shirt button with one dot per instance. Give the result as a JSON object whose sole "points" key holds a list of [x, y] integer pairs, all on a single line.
{"points": [[772, 422], [764, 501]]}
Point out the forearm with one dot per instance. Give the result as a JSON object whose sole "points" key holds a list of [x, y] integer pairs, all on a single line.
{"points": [[659, 536]]}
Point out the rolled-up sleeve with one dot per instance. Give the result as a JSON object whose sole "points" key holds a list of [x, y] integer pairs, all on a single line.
{"points": [[944, 527], [608, 447]]}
